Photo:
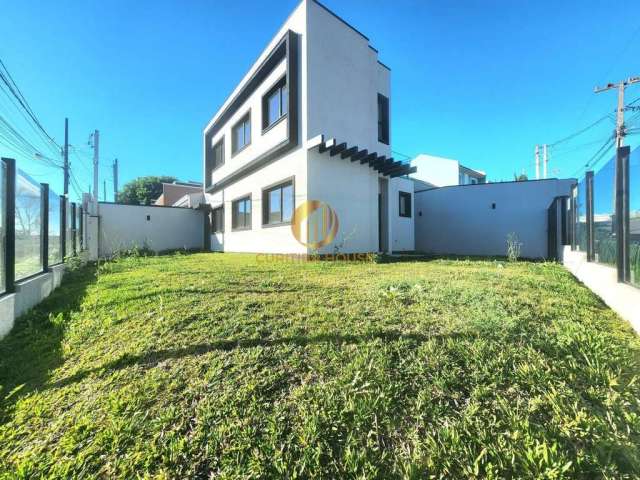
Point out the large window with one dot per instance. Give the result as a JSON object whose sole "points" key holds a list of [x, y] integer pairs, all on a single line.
{"points": [[278, 204], [217, 220], [241, 214], [28, 217], [241, 134], [217, 154], [55, 251], [3, 224], [383, 119], [274, 103], [404, 201]]}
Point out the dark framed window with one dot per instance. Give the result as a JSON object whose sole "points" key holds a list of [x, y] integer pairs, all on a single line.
{"points": [[217, 220], [383, 119], [241, 213], [404, 202], [278, 203], [274, 103], [241, 134], [217, 154]]}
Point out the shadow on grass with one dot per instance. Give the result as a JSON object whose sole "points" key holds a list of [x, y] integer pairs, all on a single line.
{"points": [[151, 359], [33, 349]]}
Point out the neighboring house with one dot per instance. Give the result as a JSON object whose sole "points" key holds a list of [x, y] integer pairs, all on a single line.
{"points": [[443, 172], [309, 122], [174, 192]]}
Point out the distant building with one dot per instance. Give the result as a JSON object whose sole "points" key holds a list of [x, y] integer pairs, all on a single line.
{"points": [[441, 172], [174, 192]]}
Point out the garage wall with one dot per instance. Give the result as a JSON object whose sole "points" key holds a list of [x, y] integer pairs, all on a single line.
{"points": [[123, 227], [476, 219]]}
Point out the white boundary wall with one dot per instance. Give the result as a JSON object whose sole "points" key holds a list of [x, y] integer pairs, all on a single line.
{"points": [[603, 281], [476, 219], [28, 294], [123, 227]]}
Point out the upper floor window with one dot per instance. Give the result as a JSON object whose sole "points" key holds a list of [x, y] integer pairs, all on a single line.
{"points": [[278, 204], [218, 154], [404, 201], [241, 134], [383, 119], [274, 103], [217, 220], [241, 214]]}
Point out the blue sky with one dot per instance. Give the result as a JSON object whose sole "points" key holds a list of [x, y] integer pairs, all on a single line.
{"points": [[481, 81]]}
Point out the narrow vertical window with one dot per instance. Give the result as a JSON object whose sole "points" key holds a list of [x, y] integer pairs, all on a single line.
{"points": [[241, 134], [241, 214], [275, 103], [404, 201], [217, 220], [218, 154], [383, 119]]}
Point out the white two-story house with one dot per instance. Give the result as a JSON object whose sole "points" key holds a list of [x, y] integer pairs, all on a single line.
{"points": [[301, 150]]}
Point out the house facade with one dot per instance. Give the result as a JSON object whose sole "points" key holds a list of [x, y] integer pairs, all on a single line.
{"points": [[444, 172], [298, 158]]}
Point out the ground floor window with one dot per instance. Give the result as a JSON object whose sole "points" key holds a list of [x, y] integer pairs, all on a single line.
{"points": [[241, 214], [278, 204], [404, 201], [217, 220]]}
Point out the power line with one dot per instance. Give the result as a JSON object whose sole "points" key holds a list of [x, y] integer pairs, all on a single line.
{"points": [[17, 93], [579, 132]]}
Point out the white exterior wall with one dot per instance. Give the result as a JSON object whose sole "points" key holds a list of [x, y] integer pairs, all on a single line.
{"points": [[340, 79], [278, 239], [438, 171], [271, 239], [461, 220], [344, 81], [123, 227], [402, 228]]}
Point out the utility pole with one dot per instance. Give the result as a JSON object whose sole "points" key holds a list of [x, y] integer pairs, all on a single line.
{"points": [[620, 128], [545, 161], [104, 190], [96, 156], [537, 162], [66, 157], [115, 180]]}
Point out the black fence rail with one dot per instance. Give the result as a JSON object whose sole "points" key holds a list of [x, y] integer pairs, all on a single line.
{"points": [[38, 229], [600, 212]]}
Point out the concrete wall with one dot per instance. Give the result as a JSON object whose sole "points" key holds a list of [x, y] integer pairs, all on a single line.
{"points": [[28, 294], [402, 228], [123, 227], [344, 81], [603, 281], [462, 220]]}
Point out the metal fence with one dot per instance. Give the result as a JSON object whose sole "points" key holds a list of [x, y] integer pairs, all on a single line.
{"points": [[605, 211], [36, 227]]}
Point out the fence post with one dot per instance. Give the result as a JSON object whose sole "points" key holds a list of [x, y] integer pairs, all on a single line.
{"points": [[81, 236], [564, 218], [573, 217], [63, 225], [590, 243], [622, 213], [73, 228], [552, 230], [10, 230], [44, 225]]}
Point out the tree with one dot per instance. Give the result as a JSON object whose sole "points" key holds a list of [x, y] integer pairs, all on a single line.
{"points": [[520, 178], [143, 190]]}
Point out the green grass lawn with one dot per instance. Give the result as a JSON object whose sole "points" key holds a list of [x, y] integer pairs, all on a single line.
{"points": [[216, 365]]}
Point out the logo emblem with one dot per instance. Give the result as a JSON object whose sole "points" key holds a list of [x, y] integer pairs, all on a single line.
{"points": [[318, 221]]}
